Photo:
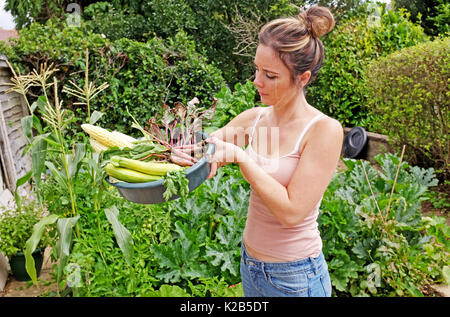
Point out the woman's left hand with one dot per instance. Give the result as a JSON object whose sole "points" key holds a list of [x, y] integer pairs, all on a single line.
{"points": [[224, 153]]}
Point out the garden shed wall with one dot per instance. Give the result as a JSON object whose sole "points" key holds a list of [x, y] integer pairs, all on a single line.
{"points": [[12, 139], [13, 164]]}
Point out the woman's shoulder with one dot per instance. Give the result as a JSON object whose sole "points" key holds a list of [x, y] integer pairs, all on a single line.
{"points": [[328, 127]]}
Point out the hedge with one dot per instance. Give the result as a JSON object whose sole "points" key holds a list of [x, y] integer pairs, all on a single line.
{"points": [[142, 76], [409, 97], [340, 89]]}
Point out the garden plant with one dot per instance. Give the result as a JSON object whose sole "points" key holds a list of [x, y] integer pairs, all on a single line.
{"points": [[376, 240]]}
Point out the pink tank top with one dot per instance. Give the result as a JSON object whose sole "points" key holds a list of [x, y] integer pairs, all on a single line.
{"points": [[263, 232]]}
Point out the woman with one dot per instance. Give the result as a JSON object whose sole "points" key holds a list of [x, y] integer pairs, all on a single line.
{"points": [[282, 249]]}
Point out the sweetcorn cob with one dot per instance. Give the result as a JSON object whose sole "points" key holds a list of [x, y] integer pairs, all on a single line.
{"points": [[97, 146], [124, 137], [127, 175], [105, 137], [152, 168]]}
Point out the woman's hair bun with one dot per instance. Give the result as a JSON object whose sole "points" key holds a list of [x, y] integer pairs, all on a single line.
{"points": [[317, 20]]}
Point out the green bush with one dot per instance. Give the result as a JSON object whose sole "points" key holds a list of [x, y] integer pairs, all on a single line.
{"points": [[440, 20], [409, 98], [16, 226], [103, 18], [155, 73], [51, 42], [141, 75], [231, 103], [433, 15], [340, 89], [207, 22]]}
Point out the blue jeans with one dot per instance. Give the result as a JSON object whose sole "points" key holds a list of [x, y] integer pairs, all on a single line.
{"points": [[304, 278]]}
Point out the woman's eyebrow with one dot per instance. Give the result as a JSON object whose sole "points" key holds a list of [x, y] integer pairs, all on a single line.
{"points": [[267, 70]]}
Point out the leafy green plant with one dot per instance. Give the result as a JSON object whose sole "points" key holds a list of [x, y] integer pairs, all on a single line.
{"points": [[102, 18], [340, 88], [181, 258], [26, 11], [432, 15], [190, 246], [439, 198], [231, 103], [376, 241], [16, 226], [206, 22], [440, 20], [66, 168], [142, 76], [170, 243], [415, 109]]}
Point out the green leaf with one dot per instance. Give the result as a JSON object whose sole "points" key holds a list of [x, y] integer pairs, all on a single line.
{"points": [[413, 290], [58, 174], [123, 236], [27, 127], [19, 183], [64, 227], [95, 165], [226, 253], [33, 242], [364, 248], [40, 103], [74, 162], [95, 116], [38, 155], [182, 256], [226, 258], [169, 291], [235, 199], [175, 183]]}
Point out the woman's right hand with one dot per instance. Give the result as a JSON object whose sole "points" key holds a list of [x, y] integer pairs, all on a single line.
{"points": [[198, 148]]}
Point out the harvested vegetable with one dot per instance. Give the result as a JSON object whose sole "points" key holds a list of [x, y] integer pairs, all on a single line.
{"points": [[97, 146], [130, 176], [107, 138], [151, 168], [164, 152], [175, 183]]}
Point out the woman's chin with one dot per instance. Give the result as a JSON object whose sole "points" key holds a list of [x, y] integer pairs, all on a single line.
{"points": [[265, 100]]}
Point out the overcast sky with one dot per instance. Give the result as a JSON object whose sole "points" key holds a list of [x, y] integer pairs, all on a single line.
{"points": [[6, 20]]}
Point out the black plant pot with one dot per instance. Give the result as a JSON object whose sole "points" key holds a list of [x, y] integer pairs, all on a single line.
{"points": [[17, 264], [356, 144]]}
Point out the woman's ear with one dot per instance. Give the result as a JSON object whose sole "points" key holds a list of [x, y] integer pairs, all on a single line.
{"points": [[304, 78]]}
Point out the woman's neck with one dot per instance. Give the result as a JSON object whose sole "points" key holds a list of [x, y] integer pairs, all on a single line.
{"points": [[297, 108]]}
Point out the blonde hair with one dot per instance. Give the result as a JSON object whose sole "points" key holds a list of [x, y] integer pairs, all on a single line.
{"points": [[297, 39]]}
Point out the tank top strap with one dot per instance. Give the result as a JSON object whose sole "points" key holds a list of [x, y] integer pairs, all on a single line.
{"points": [[250, 138], [308, 126]]}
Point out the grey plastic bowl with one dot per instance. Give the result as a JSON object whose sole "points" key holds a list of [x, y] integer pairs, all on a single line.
{"points": [[152, 192]]}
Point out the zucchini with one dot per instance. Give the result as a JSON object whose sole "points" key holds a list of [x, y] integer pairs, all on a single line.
{"points": [[130, 176]]}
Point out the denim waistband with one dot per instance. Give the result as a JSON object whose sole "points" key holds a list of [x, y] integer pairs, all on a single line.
{"points": [[306, 264]]}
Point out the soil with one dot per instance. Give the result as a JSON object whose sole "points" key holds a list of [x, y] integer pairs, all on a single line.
{"points": [[16, 288]]}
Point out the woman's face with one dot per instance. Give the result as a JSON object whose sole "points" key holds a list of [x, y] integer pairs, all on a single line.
{"points": [[273, 79]]}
